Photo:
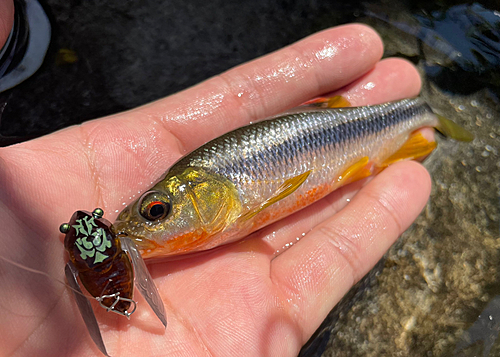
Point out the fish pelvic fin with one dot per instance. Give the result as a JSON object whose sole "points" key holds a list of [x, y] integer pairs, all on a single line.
{"points": [[452, 130], [286, 189]]}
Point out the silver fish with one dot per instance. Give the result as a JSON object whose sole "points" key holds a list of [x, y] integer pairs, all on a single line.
{"points": [[260, 173]]}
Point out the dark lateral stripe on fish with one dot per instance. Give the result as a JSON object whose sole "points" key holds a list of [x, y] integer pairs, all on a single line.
{"points": [[308, 133]]}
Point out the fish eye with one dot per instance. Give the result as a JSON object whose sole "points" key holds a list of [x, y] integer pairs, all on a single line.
{"points": [[154, 206]]}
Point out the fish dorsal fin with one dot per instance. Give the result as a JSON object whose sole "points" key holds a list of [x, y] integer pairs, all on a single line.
{"points": [[453, 130], [328, 102], [415, 147], [287, 188]]}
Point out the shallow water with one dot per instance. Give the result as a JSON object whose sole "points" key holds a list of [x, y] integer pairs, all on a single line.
{"points": [[436, 293]]}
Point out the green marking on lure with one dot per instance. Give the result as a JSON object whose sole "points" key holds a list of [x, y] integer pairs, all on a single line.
{"points": [[99, 257], [87, 230], [93, 243]]}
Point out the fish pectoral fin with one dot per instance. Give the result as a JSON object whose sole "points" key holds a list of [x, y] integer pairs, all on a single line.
{"points": [[286, 189], [328, 102], [453, 130], [415, 147], [358, 171], [85, 308]]}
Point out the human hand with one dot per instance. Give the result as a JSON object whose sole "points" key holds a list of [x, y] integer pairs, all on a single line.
{"points": [[240, 299]]}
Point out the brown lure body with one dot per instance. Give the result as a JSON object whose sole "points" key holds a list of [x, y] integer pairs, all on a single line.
{"points": [[103, 267], [107, 265]]}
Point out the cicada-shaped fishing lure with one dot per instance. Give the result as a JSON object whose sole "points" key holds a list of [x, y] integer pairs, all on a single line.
{"points": [[107, 265]]}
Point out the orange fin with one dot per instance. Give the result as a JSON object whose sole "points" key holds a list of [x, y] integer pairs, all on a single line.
{"points": [[360, 170], [287, 188], [415, 147], [332, 102]]}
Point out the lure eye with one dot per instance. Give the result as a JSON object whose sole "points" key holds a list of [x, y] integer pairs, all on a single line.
{"points": [[154, 206]]}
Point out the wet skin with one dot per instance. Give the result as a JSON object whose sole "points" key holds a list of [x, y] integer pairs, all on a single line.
{"points": [[240, 299]]}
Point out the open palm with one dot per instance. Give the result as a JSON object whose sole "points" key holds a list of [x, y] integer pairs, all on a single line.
{"points": [[249, 298]]}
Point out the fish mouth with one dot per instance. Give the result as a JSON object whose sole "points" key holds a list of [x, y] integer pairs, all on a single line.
{"points": [[125, 229], [135, 231], [124, 226], [119, 228]]}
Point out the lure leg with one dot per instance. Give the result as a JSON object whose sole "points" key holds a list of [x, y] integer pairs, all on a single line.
{"points": [[85, 308], [117, 298], [143, 279]]}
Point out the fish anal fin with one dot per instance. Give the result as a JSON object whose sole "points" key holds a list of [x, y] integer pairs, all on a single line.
{"points": [[286, 189], [358, 171], [415, 147], [328, 102]]}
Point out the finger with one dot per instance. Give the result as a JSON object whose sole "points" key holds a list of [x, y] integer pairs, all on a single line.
{"points": [[323, 266], [391, 79], [320, 63], [403, 81]]}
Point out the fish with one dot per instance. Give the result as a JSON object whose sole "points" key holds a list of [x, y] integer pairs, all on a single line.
{"points": [[258, 174]]}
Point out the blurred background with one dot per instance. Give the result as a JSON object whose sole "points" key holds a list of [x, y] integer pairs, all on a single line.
{"points": [[436, 293]]}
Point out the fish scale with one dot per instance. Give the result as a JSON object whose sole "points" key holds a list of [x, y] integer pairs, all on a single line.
{"points": [[327, 135]]}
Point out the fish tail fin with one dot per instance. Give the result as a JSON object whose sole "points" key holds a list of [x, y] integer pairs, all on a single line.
{"points": [[452, 130]]}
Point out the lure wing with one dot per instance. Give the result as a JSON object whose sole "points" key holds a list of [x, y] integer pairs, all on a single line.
{"points": [[85, 307], [143, 280]]}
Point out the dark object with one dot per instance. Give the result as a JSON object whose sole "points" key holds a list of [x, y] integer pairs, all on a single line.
{"points": [[104, 268], [104, 264]]}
